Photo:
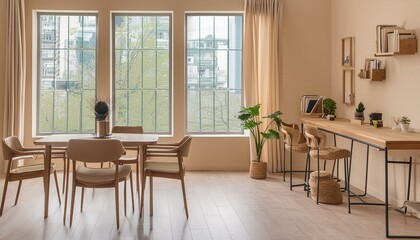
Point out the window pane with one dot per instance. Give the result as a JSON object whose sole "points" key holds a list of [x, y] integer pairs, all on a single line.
{"points": [[67, 72], [142, 67], [214, 73]]}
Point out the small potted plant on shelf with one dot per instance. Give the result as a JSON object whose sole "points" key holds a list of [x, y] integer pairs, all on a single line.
{"points": [[359, 114], [329, 108], [251, 120], [405, 123]]}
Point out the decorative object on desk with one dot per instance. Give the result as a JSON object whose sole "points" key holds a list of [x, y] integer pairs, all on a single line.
{"points": [[396, 123], [102, 109], [329, 108], [405, 123], [377, 123], [347, 52], [251, 120], [359, 114], [375, 116]]}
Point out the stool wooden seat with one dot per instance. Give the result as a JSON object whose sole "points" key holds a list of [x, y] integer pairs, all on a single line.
{"points": [[293, 141], [317, 141]]}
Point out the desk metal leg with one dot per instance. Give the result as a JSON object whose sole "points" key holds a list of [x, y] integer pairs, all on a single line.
{"points": [[47, 164], [386, 194]]}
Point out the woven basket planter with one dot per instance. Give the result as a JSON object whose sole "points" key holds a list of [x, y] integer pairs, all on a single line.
{"points": [[329, 190], [258, 170]]}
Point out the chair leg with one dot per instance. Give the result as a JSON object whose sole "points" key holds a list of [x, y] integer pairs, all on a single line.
{"points": [[67, 191], [64, 172], [56, 186], [151, 195], [291, 168], [132, 193], [185, 196], [138, 176], [6, 183], [309, 175], [117, 205], [18, 192], [284, 162], [317, 190], [305, 186], [125, 197], [73, 193], [143, 187], [81, 199]]}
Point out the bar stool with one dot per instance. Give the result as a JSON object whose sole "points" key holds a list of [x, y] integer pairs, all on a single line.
{"points": [[317, 141], [293, 141]]}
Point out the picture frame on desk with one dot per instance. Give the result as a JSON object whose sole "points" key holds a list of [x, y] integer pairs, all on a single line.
{"points": [[347, 49]]}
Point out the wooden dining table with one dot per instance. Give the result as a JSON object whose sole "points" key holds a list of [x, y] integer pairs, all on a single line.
{"points": [[62, 140]]}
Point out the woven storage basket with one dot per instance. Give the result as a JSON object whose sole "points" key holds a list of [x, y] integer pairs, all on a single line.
{"points": [[329, 190], [258, 170]]}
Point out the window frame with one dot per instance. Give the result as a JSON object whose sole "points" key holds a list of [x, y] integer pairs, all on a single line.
{"points": [[37, 60], [171, 55], [209, 13]]}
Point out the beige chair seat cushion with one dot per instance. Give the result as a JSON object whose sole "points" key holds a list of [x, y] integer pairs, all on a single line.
{"points": [[31, 168], [128, 159], [101, 175], [162, 166], [330, 153], [301, 147]]}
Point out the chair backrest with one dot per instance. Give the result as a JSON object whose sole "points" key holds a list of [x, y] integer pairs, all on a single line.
{"points": [[316, 138], [95, 150], [127, 129], [11, 145], [184, 146], [291, 134]]}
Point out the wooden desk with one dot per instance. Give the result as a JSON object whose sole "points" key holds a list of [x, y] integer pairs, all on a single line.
{"points": [[382, 138], [62, 140]]}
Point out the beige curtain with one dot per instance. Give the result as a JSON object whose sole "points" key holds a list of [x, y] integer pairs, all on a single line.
{"points": [[262, 64], [15, 74]]}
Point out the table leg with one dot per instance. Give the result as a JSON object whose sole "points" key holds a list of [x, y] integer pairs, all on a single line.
{"points": [[386, 194], [47, 167]]}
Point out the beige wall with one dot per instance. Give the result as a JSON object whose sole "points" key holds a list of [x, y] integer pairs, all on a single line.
{"points": [[306, 40], [396, 96]]}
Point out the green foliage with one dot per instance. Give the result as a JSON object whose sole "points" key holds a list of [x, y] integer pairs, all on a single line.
{"points": [[405, 120], [250, 118], [360, 107], [329, 106]]}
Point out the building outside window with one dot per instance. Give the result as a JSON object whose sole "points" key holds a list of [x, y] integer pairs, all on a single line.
{"points": [[66, 72], [214, 73], [142, 71]]}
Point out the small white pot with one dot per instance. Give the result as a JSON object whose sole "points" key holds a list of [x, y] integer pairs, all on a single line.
{"points": [[405, 127]]}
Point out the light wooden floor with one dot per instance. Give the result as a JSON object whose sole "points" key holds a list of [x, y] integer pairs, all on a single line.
{"points": [[222, 205]]}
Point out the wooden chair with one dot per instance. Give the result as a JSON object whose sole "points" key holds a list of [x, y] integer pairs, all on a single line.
{"points": [[317, 143], [12, 151], [97, 151], [166, 169], [131, 160], [293, 141]]}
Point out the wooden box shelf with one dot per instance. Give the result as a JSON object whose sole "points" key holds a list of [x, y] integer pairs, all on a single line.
{"points": [[407, 46], [377, 74]]}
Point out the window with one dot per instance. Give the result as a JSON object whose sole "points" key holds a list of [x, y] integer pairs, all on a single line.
{"points": [[214, 73], [142, 71], [66, 72]]}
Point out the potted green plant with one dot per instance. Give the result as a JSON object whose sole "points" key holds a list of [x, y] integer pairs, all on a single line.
{"points": [[251, 120], [359, 114], [102, 109], [405, 123], [329, 106]]}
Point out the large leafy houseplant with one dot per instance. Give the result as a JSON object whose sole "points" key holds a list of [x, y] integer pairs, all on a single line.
{"points": [[250, 118]]}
